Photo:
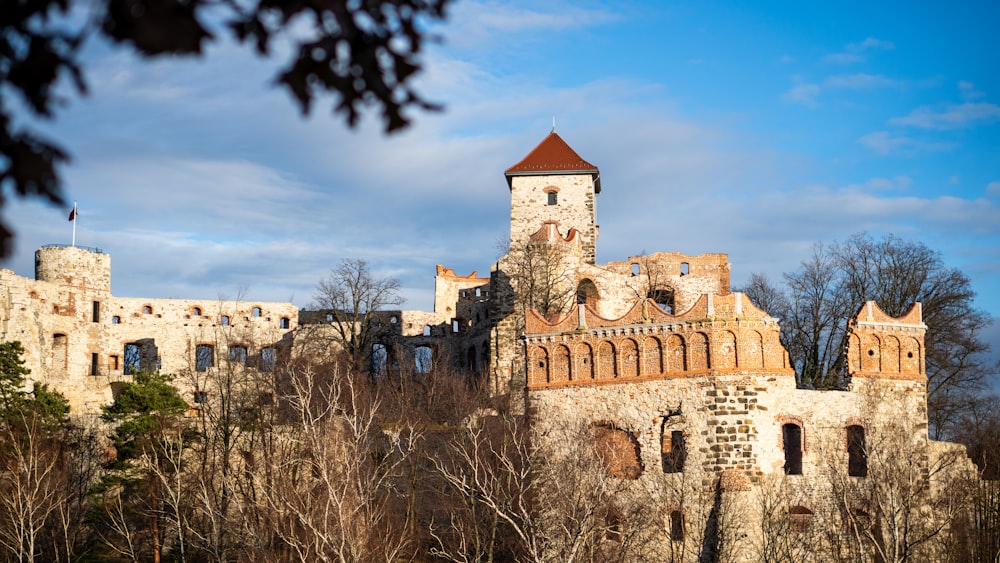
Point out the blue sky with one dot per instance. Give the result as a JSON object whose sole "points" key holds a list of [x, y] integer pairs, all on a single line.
{"points": [[755, 131]]}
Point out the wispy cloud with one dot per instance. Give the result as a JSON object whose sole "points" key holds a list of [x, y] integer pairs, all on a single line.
{"points": [[953, 116], [474, 22], [859, 81], [856, 52], [885, 143], [804, 94], [993, 189], [968, 91]]}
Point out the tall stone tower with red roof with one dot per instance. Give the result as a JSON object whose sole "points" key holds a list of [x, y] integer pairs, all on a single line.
{"points": [[553, 183]]}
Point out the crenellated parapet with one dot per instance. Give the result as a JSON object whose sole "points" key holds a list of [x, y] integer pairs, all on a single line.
{"points": [[886, 347], [719, 334]]}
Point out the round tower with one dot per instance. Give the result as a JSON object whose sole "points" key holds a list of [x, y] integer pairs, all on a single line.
{"points": [[75, 266]]}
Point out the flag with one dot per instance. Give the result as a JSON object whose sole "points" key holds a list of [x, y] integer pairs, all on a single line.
{"points": [[72, 214]]}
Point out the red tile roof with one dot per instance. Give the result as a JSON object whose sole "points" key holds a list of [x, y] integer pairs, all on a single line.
{"points": [[552, 156]]}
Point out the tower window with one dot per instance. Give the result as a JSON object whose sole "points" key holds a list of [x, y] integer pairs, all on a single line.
{"points": [[857, 456], [96, 316], [553, 198]]}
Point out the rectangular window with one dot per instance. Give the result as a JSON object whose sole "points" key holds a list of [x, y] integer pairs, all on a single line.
{"points": [[268, 358], [857, 456], [132, 357], [676, 525], [113, 362], [96, 316], [238, 354], [93, 364], [792, 434], [200, 397], [553, 198], [674, 451], [204, 357]]}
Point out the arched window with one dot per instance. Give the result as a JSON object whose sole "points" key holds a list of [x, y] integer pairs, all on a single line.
{"points": [[196, 311], [116, 320], [147, 310], [284, 322], [664, 297], [799, 518], [424, 359], [857, 455], [224, 320], [255, 312], [379, 357], [553, 198], [427, 330], [237, 354], [792, 437], [586, 293]]}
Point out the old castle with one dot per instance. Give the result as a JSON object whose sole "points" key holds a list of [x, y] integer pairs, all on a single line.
{"points": [[687, 380]]}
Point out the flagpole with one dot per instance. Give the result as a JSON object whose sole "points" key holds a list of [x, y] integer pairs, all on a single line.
{"points": [[74, 224]]}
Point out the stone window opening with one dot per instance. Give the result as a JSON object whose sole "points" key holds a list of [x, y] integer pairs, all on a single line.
{"points": [[94, 359], [329, 318], [427, 330], [454, 326], [201, 397], [196, 311], [553, 198], [394, 319], [147, 309], [380, 357], [423, 358], [238, 354], [204, 357], [685, 268], [676, 525], [586, 293], [799, 518], [268, 358], [792, 437], [673, 449], [132, 356], [115, 320], [635, 268], [96, 313], [113, 362], [857, 454], [224, 320], [255, 312], [284, 322], [479, 292]]}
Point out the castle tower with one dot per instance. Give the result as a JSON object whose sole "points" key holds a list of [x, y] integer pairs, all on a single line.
{"points": [[74, 266], [553, 183]]}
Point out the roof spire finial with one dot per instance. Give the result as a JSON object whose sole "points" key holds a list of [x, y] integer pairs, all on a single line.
{"points": [[553, 124]]}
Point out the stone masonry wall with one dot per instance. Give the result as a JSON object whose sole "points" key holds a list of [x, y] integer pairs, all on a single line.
{"points": [[575, 208]]}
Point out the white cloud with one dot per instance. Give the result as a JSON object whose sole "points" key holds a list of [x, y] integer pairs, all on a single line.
{"points": [[883, 142], [951, 117], [993, 189], [482, 23], [968, 91], [804, 94], [855, 52], [859, 81]]}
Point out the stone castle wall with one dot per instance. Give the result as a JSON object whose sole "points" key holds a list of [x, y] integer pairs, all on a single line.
{"points": [[79, 338], [575, 208]]}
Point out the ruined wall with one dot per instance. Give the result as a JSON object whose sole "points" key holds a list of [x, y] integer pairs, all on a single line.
{"points": [[77, 334]]}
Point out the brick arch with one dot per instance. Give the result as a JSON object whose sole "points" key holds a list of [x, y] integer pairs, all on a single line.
{"points": [[561, 364], [725, 356], [890, 354], [854, 353], [751, 351], [698, 352], [652, 356], [539, 365], [871, 353], [583, 357], [629, 358], [607, 361], [909, 356], [676, 354]]}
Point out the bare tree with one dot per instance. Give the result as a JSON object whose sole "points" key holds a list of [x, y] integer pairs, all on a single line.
{"points": [[352, 297]]}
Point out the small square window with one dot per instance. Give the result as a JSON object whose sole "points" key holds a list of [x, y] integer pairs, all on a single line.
{"points": [[553, 198]]}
